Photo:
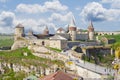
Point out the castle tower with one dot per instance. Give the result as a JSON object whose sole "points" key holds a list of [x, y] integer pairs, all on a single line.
{"points": [[30, 33], [46, 31], [19, 31], [72, 29], [91, 31]]}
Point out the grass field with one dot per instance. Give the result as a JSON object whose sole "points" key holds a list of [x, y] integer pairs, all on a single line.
{"points": [[6, 41]]}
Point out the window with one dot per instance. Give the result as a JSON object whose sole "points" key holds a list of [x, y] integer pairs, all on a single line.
{"points": [[43, 43]]}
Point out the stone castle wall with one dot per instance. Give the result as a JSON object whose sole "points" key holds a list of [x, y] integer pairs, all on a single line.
{"points": [[65, 35], [82, 36]]}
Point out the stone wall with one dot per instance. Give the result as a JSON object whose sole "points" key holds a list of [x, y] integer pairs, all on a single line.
{"points": [[39, 42], [18, 44], [82, 36], [87, 73], [65, 35], [59, 44]]}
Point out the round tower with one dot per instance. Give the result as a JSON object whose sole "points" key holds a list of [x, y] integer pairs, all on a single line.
{"points": [[19, 31], [46, 31], [91, 31], [72, 30]]}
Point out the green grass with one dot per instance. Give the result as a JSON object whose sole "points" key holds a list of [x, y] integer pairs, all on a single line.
{"points": [[103, 60], [11, 75], [17, 57], [116, 37], [54, 49], [6, 41], [107, 59]]}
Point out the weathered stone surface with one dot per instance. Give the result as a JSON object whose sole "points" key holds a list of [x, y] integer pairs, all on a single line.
{"points": [[18, 44]]}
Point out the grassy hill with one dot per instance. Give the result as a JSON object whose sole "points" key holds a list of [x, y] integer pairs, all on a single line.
{"points": [[18, 57], [116, 37]]}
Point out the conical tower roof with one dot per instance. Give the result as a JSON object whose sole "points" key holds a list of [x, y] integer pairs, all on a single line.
{"points": [[30, 32], [91, 24], [90, 27], [19, 26], [46, 28], [46, 31], [72, 22]]}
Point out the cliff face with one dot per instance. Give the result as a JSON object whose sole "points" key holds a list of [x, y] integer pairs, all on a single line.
{"points": [[23, 60], [17, 67]]}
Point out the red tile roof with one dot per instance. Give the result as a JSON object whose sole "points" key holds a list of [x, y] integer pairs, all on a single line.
{"points": [[58, 76]]}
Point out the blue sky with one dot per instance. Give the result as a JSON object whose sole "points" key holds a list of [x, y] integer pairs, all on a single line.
{"points": [[36, 14]]}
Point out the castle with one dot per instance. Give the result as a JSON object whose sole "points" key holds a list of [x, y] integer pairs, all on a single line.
{"points": [[58, 40]]}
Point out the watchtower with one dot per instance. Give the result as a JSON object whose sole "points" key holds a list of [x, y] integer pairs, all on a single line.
{"points": [[19, 32]]}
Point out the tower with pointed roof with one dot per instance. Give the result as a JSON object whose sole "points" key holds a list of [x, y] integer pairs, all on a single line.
{"points": [[19, 31], [91, 31], [72, 29], [46, 31], [30, 33]]}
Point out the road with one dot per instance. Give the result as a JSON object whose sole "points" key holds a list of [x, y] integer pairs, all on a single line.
{"points": [[90, 66]]}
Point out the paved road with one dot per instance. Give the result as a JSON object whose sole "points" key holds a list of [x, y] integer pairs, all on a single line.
{"points": [[96, 68], [90, 66]]}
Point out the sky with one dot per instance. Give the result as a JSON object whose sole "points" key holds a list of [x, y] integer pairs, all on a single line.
{"points": [[36, 14]]}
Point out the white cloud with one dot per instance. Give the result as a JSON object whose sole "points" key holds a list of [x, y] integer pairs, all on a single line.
{"points": [[6, 22], [93, 11], [116, 4], [36, 25], [28, 8], [7, 18], [54, 5], [60, 17], [107, 1], [96, 12]]}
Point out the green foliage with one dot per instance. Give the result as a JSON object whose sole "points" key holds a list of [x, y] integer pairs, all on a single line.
{"points": [[11, 75], [17, 57], [100, 59], [6, 41], [116, 37], [114, 46]]}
